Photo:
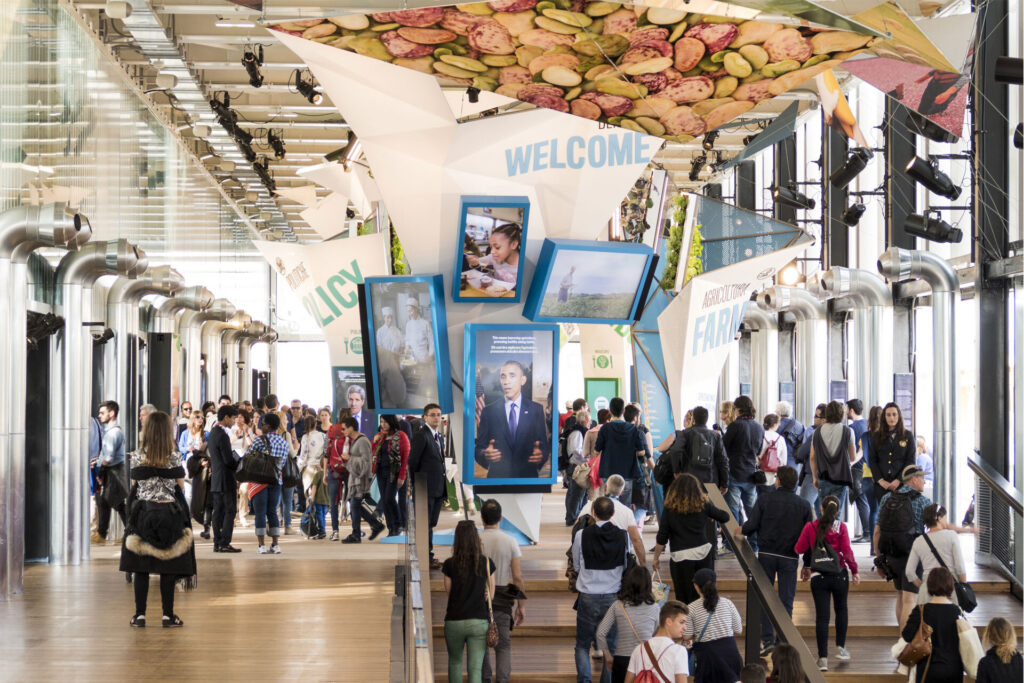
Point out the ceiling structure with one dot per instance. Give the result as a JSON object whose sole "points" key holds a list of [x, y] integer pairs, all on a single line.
{"points": [[202, 42]]}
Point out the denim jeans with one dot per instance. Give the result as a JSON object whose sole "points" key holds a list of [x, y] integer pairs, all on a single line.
{"points": [[287, 494], [469, 634], [389, 503], [836, 586], [321, 515], [590, 609], [502, 652], [809, 493], [334, 490], [265, 503], [745, 492], [574, 498], [827, 488], [785, 570]]}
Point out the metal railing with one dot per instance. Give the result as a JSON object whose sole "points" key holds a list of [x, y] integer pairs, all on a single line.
{"points": [[999, 513], [411, 627]]}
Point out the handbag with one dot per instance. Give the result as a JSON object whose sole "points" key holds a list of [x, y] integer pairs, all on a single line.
{"points": [[964, 593], [257, 465], [291, 475], [581, 475], [114, 491], [660, 589], [693, 656], [971, 650], [920, 647], [492, 626]]}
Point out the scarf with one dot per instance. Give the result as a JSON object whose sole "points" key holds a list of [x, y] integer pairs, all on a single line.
{"points": [[603, 547]]}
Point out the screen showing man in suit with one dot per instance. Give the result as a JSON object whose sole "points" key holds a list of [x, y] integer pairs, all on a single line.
{"points": [[512, 404], [350, 398]]}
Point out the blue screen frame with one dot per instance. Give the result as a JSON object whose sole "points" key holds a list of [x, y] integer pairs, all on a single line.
{"points": [[545, 263], [469, 406], [470, 201], [439, 324]]}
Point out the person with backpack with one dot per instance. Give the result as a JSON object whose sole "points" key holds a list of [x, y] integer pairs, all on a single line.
{"points": [[570, 444], [825, 545], [890, 450], [774, 451], [622, 448], [832, 454], [661, 659], [360, 478], [336, 472], [790, 429], [807, 490], [695, 450], [684, 526], [712, 626], [900, 521]]}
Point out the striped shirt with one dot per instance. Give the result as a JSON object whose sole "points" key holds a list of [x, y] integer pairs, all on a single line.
{"points": [[643, 617], [725, 621]]}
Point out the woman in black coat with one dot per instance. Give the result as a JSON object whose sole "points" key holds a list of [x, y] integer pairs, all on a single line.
{"points": [[890, 448]]}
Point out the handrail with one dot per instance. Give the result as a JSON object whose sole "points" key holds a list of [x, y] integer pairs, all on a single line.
{"points": [[1002, 488], [419, 639], [761, 593]]}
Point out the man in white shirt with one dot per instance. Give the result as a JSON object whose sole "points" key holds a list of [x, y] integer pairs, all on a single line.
{"points": [[565, 286], [390, 345], [418, 337], [671, 658], [504, 552], [622, 517]]}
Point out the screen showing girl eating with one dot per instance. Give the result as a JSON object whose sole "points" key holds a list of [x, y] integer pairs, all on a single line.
{"points": [[491, 260]]}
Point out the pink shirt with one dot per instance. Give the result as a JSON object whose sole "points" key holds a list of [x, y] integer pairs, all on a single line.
{"points": [[838, 537]]}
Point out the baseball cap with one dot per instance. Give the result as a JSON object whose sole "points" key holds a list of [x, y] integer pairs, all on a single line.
{"points": [[909, 472], [704, 575]]}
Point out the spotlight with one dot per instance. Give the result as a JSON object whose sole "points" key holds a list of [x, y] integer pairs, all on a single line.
{"points": [[1008, 70], [930, 227], [261, 168], [307, 90], [790, 275], [697, 165], [252, 61], [339, 154], [473, 94], [851, 216], [349, 213], [353, 152], [709, 140], [247, 152], [277, 144], [856, 162], [241, 135], [928, 174], [922, 125], [791, 197], [750, 138]]}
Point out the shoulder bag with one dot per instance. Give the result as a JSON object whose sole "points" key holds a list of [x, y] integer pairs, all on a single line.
{"points": [[971, 650], [257, 465], [291, 475], [920, 647], [693, 657], [492, 626], [964, 593]]}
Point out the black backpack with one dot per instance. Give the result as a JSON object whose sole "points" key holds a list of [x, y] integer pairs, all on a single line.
{"points": [[896, 524], [700, 456], [794, 436], [563, 442]]}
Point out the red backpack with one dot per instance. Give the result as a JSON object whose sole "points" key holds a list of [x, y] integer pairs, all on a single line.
{"points": [[654, 674], [770, 460], [335, 449]]}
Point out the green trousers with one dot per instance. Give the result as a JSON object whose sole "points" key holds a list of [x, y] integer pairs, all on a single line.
{"points": [[469, 634]]}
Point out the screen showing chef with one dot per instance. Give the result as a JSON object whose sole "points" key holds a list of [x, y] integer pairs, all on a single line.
{"points": [[403, 335], [491, 252], [511, 411]]}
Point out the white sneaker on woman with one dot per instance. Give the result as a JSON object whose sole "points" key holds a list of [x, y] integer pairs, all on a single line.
{"points": [[275, 550], [822, 664], [843, 655], [262, 550]]}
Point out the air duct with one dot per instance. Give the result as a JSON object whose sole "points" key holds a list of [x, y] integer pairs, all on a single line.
{"points": [[122, 378], [23, 229], [71, 393], [238, 385], [213, 351], [764, 357], [190, 330], [872, 327], [903, 264], [811, 358], [194, 298], [268, 336]]}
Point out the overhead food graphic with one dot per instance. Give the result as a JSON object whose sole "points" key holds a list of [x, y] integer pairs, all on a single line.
{"points": [[659, 71]]}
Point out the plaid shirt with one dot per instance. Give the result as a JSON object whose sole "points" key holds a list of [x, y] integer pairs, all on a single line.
{"points": [[917, 504], [279, 450]]}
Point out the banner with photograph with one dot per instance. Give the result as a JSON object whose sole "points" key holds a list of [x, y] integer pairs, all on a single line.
{"points": [[509, 425], [349, 387], [650, 386], [700, 325], [836, 109], [325, 277], [490, 263]]}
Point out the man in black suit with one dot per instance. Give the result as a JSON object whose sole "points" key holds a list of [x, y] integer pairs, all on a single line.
{"points": [[426, 459], [222, 480], [511, 440]]}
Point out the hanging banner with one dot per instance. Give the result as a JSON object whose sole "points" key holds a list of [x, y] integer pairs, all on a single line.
{"points": [[650, 388], [698, 328], [603, 348], [731, 235], [836, 109], [324, 276]]}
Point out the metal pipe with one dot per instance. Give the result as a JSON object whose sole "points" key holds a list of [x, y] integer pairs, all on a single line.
{"points": [[268, 336], [70, 393], [122, 359], [212, 351], [764, 357], [243, 388], [189, 329], [195, 298], [22, 230], [811, 343], [872, 325], [902, 264]]}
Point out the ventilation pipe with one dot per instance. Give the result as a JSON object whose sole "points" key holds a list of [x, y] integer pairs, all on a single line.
{"points": [[764, 357], [231, 343], [189, 329], [193, 298], [253, 335], [872, 328], [903, 264], [71, 392], [123, 370], [212, 351], [811, 358], [23, 229]]}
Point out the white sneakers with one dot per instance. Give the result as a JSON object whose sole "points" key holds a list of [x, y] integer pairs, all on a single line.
{"points": [[822, 664], [262, 550], [275, 550], [268, 550], [843, 655]]}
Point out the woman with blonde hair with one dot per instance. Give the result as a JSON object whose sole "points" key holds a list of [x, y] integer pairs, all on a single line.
{"points": [[683, 525], [158, 531], [728, 414], [1002, 663]]}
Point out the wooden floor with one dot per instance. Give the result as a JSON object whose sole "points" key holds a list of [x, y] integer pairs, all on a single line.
{"points": [[542, 648], [320, 611]]}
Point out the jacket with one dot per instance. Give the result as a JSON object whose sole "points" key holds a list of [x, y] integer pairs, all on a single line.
{"points": [[360, 467], [425, 461], [888, 458], [720, 465], [618, 442], [839, 540], [680, 532], [778, 518], [222, 461], [743, 440]]}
